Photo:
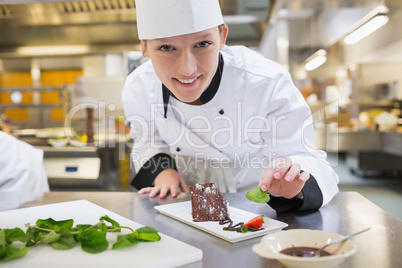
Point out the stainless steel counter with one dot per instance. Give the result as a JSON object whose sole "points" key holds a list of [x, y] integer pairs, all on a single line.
{"points": [[392, 143], [346, 213]]}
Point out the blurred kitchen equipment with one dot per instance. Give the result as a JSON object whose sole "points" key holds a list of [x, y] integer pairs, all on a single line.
{"points": [[386, 121], [386, 91], [58, 143], [90, 128], [72, 166]]}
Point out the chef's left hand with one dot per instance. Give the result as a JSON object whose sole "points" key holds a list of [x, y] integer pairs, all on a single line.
{"points": [[283, 178], [167, 181]]}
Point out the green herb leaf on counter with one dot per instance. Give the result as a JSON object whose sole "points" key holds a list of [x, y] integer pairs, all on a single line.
{"points": [[15, 234], [65, 242], [51, 237], [2, 238], [147, 234], [242, 229], [113, 222], [7, 237], [124, 241], [257, 195], [8, 252], [93, 241], [33, 236], [57, 226], [62, 235]]}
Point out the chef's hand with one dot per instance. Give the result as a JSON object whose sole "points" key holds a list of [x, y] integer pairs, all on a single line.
{"points": [[167, 181], [283, 178]]}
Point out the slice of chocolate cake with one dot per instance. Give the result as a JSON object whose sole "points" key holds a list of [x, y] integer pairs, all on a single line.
{"points": [[208, 204]]}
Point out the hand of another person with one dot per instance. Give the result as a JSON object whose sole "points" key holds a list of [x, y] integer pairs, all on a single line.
{"points": [[283, 178], [167, 181]]}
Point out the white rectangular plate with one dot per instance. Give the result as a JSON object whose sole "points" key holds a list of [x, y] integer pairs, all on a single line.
{"points": [[170, 252], [182, 212]]}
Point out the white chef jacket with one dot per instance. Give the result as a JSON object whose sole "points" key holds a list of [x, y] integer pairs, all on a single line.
{"points": [[21, 166], [256, 115]]}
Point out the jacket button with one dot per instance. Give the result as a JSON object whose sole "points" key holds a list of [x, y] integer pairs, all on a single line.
{"points": [[177, 149], [221, 111]]}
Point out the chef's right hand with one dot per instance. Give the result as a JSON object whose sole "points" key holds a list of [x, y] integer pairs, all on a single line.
{"points": [[167, 181], [283, 178]]}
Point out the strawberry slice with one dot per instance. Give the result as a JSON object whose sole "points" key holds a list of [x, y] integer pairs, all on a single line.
{"points": [[256, 222]]}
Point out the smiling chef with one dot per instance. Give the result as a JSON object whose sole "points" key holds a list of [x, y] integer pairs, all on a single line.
{"points": [[201, 111]]}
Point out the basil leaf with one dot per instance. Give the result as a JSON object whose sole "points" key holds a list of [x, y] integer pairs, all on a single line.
{"points": [[93, 241], [58, 226], [113, 222], [147, 234], [257, 195], [124, 241], [9, 252]]}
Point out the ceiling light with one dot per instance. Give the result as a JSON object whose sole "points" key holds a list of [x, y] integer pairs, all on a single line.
{"points": [[370, 23], [316, 60], [374, 24]]}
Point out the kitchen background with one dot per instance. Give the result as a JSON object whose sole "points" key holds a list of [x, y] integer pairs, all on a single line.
{"points": [[63, 64]]}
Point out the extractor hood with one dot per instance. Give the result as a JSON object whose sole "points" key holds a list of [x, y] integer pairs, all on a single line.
{"points": [[105, 25], [301, 28]]}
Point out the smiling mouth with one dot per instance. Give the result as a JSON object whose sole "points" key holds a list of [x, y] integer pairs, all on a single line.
{"points": [[187, 81]]}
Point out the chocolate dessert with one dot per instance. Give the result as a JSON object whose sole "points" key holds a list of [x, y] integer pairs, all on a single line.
{"points": [[207, 203]]}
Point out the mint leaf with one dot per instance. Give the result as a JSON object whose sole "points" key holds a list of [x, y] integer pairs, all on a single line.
{"points": [[65, 242], [147, 234], [33, 236], [58, 226], [51, 237], [15, 234], [93, 241], [82, 227], [103, 228], [9, 252], [113, 222], [2, 238], [257, 195], [62, 235], [124, 241]]}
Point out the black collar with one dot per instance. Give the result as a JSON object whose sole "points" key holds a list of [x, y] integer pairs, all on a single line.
{"points": [[207, 95]]}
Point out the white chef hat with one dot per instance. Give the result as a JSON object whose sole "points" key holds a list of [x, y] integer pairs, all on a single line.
{"points": [[166, 18]]}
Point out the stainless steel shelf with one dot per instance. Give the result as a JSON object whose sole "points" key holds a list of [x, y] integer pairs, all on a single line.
{"points": [[33, 89], [38, 106]]}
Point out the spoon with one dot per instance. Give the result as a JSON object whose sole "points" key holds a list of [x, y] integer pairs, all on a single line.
{"points": [[317, 252]]}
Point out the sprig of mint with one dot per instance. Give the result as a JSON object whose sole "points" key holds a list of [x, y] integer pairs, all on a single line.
{"points": [[242, 229], [63, 236], [257, 195]]}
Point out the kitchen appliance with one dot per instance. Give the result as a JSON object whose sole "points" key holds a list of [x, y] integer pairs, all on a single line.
{"points": [[73, 166], [386, 91]]}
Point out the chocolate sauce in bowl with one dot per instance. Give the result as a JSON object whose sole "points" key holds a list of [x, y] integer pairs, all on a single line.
{"points": [[305, 252]]}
